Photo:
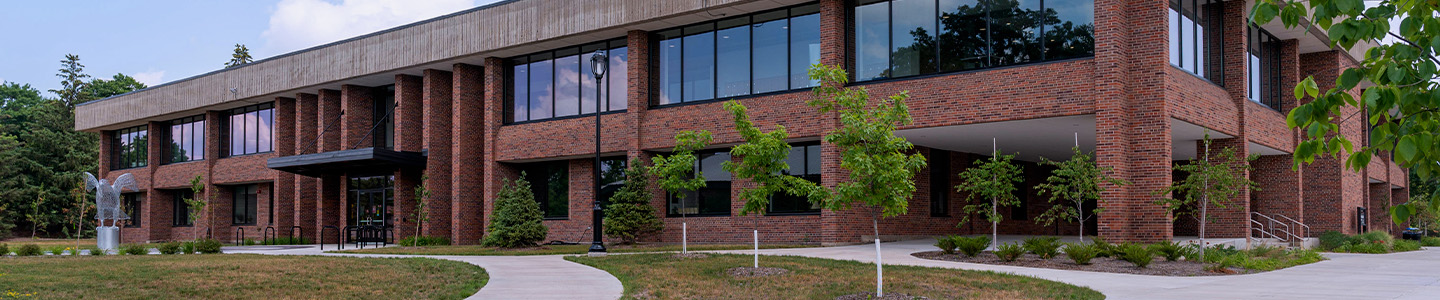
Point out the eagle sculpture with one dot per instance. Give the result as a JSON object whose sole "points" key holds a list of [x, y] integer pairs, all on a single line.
{"points": [[107, 196]]}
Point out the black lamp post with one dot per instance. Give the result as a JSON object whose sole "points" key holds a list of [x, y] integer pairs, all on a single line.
{"points": [[598, 65]]}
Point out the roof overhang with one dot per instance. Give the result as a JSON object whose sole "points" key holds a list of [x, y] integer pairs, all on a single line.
{"points": [[368, 160]]}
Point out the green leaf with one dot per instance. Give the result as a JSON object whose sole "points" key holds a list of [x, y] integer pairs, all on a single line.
{"points": [[1407, 149], [1347, 5], [1348, 79], [1397, 75], [1401, 213]]}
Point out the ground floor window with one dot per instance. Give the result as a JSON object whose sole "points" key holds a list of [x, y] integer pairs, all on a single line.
{"points": [[550, 182], [131, 204], [612, 177], [804, 162], [244, 204], [940, 183], [711, 200], [181, 209], [371, 201]]}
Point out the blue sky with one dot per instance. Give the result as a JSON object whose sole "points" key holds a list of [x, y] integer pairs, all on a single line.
{"points": [[158, 41]]}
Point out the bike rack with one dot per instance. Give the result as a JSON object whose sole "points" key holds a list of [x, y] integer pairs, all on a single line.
{"points": [[292, 232], [268, 234], [239, 236], [339, 243]]}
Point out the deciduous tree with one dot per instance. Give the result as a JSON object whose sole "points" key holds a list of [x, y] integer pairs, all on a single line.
{"points": [[994, 179], [1075, 182], [1208, 181]]}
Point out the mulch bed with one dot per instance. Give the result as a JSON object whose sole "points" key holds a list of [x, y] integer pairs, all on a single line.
{"points": [[1159, 266], [755, 272], [871, 296]]}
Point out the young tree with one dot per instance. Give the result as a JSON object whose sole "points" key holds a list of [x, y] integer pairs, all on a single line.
{"points": [[38, 219], [72, 81], [676, 173], [1399, 74], [629, 215], [517, 219], [422, 203], [240, 57], [762, 160], [1076, 181], [197, 203], [1209, 181], [994, 179], [881, 173]]}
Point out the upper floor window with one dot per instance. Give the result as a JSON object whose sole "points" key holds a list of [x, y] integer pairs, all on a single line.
{"points": [[186, 138], [900, 38], [714, 198], [244, 204], [803, 162], [559, 83], [759, 53], [249, 130], [1196, 37], [384, 116], [129, 148], [1262, 62], [550, 182]]}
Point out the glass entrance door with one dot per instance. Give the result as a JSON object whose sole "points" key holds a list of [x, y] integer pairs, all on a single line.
{"points": [[371, 201]]}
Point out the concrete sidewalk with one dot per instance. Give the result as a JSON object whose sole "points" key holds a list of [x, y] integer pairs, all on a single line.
{"points": [[1410, 275], [511, 277]]}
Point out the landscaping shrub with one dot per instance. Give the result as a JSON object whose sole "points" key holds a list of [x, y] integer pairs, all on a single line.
{"points": [[517, 217], [28, 250], [1045, 247], [187, 247], [1009, 252], [287, 241], [418, 241], [1136, 254], [4, 249], [1171, 250], [169, 248], [56, 250], [630, 215], [1406, 245], [1368, 248], [1266, 251], [1080, 253], [96, 251], [972, 246], [1330, 240], [946, 244], [1428, 241], [207, 246], [1103, 248], [1374, 237], [134, 249]]}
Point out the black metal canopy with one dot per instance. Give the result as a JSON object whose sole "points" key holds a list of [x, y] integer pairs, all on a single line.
{"points": [[345, 161]]}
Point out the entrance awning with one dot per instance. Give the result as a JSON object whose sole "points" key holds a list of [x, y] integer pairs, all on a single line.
{"points": [[356, 160]]}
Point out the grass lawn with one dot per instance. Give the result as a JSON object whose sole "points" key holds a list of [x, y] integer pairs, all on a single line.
{"points": [[44, 242], [554, 249], [661, 276], [238, 276]]}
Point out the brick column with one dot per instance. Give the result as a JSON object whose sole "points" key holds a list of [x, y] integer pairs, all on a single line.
{"points": [[1233, 220], [284, 191], [329, 189], [1332, 192], [211, 217], [833, 32], [1280, 191], [1133, 135], [358, 111], [436, 91], [409, 136], [1378, 209], [1399, 196], [470, 191], [306, 142], [638, 105], [106, 153], [160, 211]]}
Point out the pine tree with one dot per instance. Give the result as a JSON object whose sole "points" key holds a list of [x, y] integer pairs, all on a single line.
{"points": [[72, 81], [517, 218], [240, 57], [630, 215]]}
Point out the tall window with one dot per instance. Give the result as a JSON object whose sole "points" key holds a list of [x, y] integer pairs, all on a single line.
{"points": [[180, 209], [249, 130], [129, 148], [187, 139], [612, 177], [559, 83], [1021, 210], [804, 162], [754, 54], [131, 204], [714, 198], [244, 204], [384, 117], [1262, 62], [940, 186], [1196, 37], [901, 38], [550, 182]]}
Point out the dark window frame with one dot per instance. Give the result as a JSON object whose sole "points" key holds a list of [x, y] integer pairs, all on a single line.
{"points": [[940, 186], [180, 211], [131, 204], [244, 204], [535, 171], [228, 134], [1266, 49], [137, 155], [612, 179], [582, 51], [810, 173], [711, 187], [680, 33], [192, 127], [1208, 17]]}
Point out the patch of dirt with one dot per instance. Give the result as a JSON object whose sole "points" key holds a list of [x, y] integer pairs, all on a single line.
{"points": [[756, 272], [1159, 266], [690, 255], [871, 296]]}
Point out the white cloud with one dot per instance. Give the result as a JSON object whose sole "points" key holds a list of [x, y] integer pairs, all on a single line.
{"points": [[299, 24], [151, 78]]}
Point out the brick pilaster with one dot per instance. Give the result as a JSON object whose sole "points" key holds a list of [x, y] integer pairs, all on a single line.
{"points": [[436, 93], [476, 102], [284, 189], [306, 142], [1133, 135], [329, 194], [358, 112], [409, 136]]}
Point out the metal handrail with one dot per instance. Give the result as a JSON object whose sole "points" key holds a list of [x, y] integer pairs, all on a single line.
{"points": [[1261, 229], [1289, 233], [1272, 225], [1307, 227]]}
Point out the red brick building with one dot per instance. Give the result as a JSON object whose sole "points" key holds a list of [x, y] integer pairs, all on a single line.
{"points": [[341, 134]]}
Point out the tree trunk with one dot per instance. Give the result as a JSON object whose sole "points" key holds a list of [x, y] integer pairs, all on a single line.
{"points": [[994, 233], [1080, 214], [879, 264]]}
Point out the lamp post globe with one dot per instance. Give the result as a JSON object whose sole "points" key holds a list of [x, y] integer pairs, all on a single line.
{"points": [[598, 65]]}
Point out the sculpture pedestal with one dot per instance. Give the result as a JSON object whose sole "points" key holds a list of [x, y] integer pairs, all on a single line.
{"points": [[107, 237]]}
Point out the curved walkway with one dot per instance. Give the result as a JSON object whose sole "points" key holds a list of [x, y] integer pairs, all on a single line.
{"points": [[511, 277], [1409, 275]]}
